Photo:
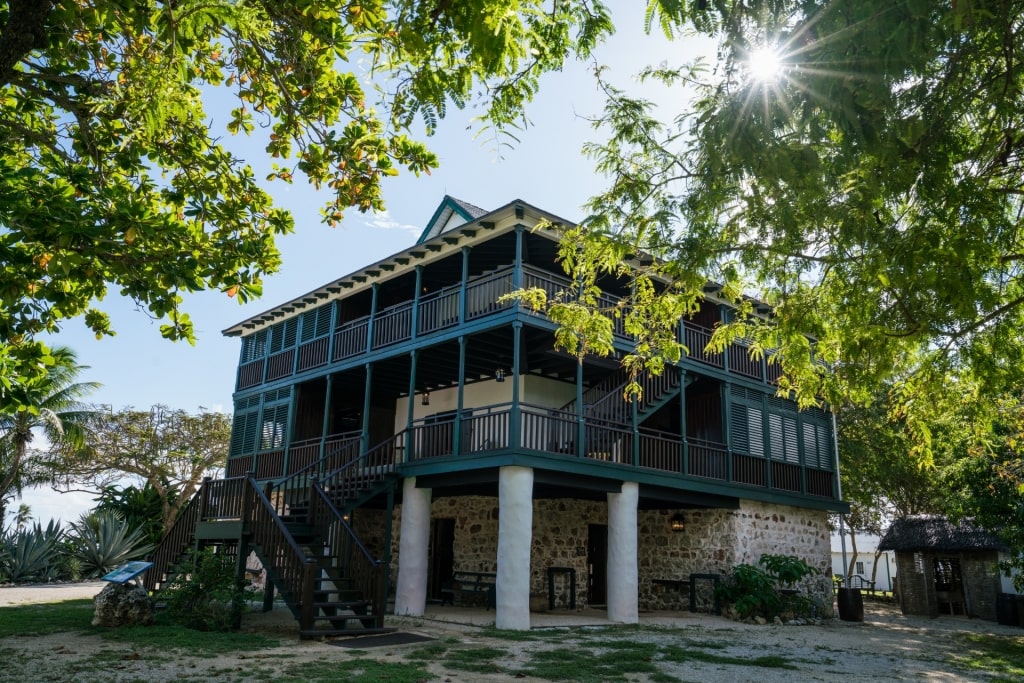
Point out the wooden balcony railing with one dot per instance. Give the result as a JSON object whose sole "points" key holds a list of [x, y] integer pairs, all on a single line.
{"points": [[443, 309], [556, 432]]}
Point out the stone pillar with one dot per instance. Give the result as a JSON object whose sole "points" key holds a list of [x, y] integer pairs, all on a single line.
{"points": [[623, 580], [515, 534], [413, 542]]}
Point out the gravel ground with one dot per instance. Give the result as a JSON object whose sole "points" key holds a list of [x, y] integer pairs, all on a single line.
{"points": [[886, 646]]}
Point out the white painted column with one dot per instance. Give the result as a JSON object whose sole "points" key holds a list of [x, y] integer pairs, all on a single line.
{"points": [[623, 578], [413, 543], [515, 534]]}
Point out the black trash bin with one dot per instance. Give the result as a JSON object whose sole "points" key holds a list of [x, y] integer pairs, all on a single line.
{"points": [[1006, 609], [850, 603]]}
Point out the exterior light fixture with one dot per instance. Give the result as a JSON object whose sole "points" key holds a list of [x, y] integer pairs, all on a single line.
{"points": [[499, 375], [678, 522], [426, 398]]}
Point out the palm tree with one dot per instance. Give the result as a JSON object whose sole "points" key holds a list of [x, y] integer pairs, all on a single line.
{"points": [[56, 410]]}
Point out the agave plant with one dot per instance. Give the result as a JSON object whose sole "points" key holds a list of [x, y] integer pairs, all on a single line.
{"points": [[103, 541], [31, 554]]}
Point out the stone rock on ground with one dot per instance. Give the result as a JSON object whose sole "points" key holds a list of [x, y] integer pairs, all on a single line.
{"points": [[123, 604]]}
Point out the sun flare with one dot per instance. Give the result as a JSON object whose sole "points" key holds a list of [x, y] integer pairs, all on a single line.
{"points": [[764, 64]]}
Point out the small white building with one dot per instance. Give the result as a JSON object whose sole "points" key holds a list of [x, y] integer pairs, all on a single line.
{"points": [[864, 564]]}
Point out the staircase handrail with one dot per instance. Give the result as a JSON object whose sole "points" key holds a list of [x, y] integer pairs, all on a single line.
{"points": [[616, 379], [369, 467], [368, 575], [300, 479], [293, 570], [614, 408], [174, 542]]}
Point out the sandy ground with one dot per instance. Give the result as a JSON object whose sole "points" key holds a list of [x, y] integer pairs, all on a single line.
{"points": [[50, 592], [885, 646]]}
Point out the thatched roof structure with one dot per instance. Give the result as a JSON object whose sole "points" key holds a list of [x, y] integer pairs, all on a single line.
{"points": [[937, 533]]}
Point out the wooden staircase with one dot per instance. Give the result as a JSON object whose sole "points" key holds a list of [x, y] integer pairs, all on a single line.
{"points": [[299, 530], [604, 402]]}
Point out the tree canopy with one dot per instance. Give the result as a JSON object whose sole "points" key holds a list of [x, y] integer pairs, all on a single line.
{"points": [[167, 451], [113, 172], [870, 192]]}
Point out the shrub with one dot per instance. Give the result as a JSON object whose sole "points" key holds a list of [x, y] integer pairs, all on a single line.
{"points": [[750, 590], [101, 542], [31, 554], [754, 590], [786, 569], [205, 593]]}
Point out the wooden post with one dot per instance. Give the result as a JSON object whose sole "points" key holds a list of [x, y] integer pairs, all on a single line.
{"points": [[204, 498], [308, 581], [311, 512]]}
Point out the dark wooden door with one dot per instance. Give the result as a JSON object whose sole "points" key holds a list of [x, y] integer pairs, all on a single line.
{"points": [[442, 555], [597, 564]]}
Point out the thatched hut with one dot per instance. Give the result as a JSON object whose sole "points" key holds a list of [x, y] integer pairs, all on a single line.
{"points": [[945, 568]]}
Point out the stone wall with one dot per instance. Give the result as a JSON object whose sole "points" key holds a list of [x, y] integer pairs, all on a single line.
{"points": [[785, 530], [714, 541]]}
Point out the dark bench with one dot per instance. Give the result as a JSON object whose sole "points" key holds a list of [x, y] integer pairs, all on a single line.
{"points": [[470, 588], [858, 581]]}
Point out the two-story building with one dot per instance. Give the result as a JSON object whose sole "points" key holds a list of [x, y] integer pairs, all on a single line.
{"points": [[403, 425]]}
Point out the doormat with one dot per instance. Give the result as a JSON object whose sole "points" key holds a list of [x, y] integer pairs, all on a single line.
{"points": [[386, 640]]}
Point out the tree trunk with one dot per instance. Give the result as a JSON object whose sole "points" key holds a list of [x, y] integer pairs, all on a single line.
{"points": [[853, 555], [874, 567]]}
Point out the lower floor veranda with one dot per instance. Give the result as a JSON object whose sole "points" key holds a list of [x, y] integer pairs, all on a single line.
{"points": [[538, 541]]}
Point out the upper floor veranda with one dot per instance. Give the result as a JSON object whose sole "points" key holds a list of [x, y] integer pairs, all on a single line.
{"points": [[448, 285]]}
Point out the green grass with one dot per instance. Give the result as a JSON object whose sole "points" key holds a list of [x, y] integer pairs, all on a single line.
{"points": [[40, 620], [680, 655], [586, 665], [354, 671], [1002, 656], [76, 616], [477, 660]]}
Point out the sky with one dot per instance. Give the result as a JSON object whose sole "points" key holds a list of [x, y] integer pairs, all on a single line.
{"points": [[138, 368]]}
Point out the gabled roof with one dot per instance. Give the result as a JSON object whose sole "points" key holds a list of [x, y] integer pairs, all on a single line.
{"points": [[456, 222], [935, 532], [450, 214]]}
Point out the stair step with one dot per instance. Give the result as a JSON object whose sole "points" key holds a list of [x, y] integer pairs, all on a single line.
{"points": [[349, 605]]}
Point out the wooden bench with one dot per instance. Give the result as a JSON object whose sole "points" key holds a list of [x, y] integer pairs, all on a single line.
{"points": [[470, 588]]}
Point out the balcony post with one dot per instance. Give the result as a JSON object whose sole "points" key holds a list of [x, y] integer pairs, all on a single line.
{"points": [[801, 453], [364, 442], [415, 320], [462, 286], [460, 394], [331, 334], [766, 436], [635, 418], [723, 317], [374, 290], [516, 418], [581, 425], [411, 409], [517, 269], [685, 465], [727, 419], [326, 421]]}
